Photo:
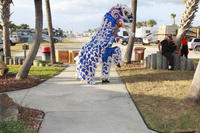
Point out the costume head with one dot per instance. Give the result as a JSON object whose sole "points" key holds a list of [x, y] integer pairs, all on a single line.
{"points": [[127, 13]]}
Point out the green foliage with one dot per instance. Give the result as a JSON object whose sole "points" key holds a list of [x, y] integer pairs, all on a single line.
{"points": [[14, 127], [24, 26], [173, 15], [150, 23], [39, 72], [44, 61]]}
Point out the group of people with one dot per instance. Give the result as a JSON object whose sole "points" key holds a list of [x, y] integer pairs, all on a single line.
{"points": [[167, 48]]}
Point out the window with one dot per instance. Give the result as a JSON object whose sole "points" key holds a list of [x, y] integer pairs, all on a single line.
{"points": [[148, 31], [197, 40], [125, 33]]}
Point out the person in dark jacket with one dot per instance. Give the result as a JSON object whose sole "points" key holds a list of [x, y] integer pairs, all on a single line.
{"points": [[168, 47]]}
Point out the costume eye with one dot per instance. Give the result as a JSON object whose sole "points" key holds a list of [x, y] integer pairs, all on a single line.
{"points": [[126, 13]]}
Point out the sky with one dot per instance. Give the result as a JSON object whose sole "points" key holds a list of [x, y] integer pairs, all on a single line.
{"points": [[81, 15]]}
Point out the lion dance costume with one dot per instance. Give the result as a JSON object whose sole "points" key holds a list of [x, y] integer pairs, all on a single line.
{"points": [[100, 47]]}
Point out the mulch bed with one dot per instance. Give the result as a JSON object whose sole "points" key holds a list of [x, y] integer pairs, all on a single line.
{"points": [[9, 83], [32, 117]]}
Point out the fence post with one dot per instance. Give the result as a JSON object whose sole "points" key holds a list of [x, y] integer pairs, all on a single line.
{"points": [[183, 63], [164, 63], [7, 60], [159, 60], [176, 62], [153, 61], [149, 61], [11, 61]]}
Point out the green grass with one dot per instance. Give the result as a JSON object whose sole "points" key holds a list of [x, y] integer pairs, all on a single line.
{"points": [[159, 95], [14, 127], [39, 72]]}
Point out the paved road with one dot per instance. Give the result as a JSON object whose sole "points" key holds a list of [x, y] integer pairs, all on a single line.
{"points": [[74, 107]]}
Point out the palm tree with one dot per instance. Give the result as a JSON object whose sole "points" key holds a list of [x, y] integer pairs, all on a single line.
{"points": [[185, 24], [24, 26], [23, 73], [151, 22], [173, 17], [50, 31], [129, 49], [5, 16], [139, 24], [186, 20], [12, 27], [144, 23]]}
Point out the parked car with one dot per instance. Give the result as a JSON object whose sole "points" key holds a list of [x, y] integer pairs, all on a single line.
{"points": [[12, 42], [14, 39], [194, 43], [124, 40]]}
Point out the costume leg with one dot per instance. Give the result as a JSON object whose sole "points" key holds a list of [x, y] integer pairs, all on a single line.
{"points": [[91, 71], [117, 55], [106, 68], [113, 56]]}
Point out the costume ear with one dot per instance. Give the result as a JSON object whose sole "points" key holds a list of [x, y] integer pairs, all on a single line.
{"points": [[119, 6]]}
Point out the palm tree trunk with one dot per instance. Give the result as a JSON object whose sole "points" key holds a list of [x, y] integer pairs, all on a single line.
{"points": [[5, 16], [173, 20], [129, 49], [194, 93], [23, 73], [50, 30]]}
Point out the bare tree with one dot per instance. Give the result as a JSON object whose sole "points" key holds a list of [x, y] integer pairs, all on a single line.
{"points": [[186, 20], [50, 30], [5, 16], [129, 49], [23, 73]]}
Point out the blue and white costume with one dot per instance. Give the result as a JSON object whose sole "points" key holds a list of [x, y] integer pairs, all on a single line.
{"points": [[92, 52], [111, 55]]}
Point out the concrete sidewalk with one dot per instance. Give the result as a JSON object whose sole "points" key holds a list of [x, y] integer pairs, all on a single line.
{"points": [[74, 107]]}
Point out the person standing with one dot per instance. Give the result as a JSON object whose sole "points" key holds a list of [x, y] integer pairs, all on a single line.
{"points": [[168, 47], [184, 47]]}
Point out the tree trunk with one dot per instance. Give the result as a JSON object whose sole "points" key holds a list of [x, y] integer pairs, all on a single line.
{"points": [[173, 21], [23, 73], [194, 93], [50, 30], [5, 16], [129, 49]]}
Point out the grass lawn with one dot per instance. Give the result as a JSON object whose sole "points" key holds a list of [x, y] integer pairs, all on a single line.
{"points": [[39, 72], [67, 42], [159, 96], [36, 76]]}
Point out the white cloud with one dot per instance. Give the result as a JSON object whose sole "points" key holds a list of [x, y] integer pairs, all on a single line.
{"points": [[70, 5]]}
